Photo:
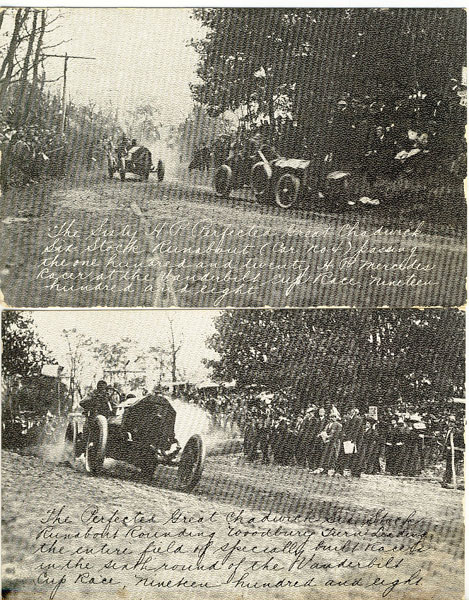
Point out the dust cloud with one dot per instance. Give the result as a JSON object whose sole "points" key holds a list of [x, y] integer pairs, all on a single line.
{"points": [[191, 420]]}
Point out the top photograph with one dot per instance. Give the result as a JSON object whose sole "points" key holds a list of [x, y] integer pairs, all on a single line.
{"points": [[233, 157]]}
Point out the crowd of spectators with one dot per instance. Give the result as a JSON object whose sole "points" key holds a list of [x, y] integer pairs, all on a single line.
{"points": [[404, 439], [30, 153]]}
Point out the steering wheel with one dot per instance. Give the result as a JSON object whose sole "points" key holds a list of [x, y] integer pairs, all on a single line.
{"points": [[115, 397]]}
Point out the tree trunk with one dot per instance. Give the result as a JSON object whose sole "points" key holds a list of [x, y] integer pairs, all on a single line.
{"points": [[6, 69], [174, 352], [35, 86], [21, 108]]}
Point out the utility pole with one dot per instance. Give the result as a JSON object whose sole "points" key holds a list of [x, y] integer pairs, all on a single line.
{"points": [[66, 58]]}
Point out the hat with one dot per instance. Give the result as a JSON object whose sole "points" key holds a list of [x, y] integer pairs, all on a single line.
{"points": [[266, 397]]}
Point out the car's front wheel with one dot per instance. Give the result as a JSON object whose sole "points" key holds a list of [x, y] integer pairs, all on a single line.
{"points": [[261, 181], [287, 191], [222, 180], [96, 444]]}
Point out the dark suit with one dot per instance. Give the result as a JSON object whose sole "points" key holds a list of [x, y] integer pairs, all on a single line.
{"points": [[332, 445], [317, 444], [352, 431]]}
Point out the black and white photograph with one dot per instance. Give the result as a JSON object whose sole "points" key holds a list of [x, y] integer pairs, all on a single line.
{"points": [[223, 453], [232, 285], [233, 157]]}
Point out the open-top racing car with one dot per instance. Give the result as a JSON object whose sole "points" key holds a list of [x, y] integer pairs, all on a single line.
{"points": [[287, 182], [138, 432], [138, 161]]}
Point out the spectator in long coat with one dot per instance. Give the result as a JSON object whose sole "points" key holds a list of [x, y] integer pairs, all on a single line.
{"points": [[454, 451], [352, 439], [400, 437], [318, 444], [391, 448], [331, 438], [307, 438], [413, 450], [369, 454]]}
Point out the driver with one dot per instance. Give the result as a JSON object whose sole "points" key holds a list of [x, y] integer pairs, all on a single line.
{"points": [[133, 148], [98, 402], [123, 147]]}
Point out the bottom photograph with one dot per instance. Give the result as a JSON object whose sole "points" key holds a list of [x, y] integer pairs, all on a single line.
{"points": [[199, 453]]}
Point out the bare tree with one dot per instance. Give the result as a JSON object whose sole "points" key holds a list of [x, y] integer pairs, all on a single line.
{"points": [[23, 82], [23, 59], [77, 344], [8, 64], [36, 85], [173, 353]]}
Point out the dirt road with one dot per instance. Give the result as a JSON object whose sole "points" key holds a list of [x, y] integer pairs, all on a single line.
{"points": [[246, 529], [89, 241]]}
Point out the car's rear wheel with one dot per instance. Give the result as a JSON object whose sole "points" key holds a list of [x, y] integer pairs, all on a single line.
{"points": [[110, 170], [160, 170], [222, 180], [96, 444], [191, 463], [73, 439], [287, 191]]}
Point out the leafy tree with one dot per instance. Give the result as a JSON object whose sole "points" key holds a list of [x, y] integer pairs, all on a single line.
{"points": [[288, 68], [113, 356], [24, 353], [144, 122], [78, 345], [40, 394], [126, 360], [343, 357], [200, 128]]}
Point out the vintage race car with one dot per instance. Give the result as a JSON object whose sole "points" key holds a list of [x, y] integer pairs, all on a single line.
{"points": [[141, 433], [287, 182], [292, 182], [137, 161]]}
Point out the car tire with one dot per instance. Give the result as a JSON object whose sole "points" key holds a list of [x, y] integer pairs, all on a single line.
{"points": [[160, 171], [96, 443], [110, 170], [261, 181], [287, 190], [191, 463], [222, 181], [73, 439]]}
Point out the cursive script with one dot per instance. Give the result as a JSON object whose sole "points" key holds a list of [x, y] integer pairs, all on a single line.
{"points": [[212, 264], [233, 550]]}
